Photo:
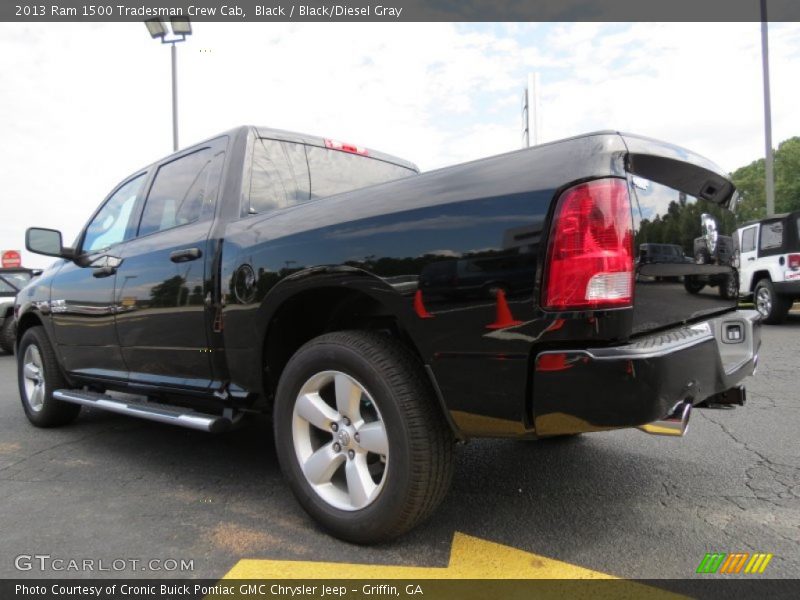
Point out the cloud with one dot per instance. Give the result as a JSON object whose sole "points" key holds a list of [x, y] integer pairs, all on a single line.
{"points": [[83, 105], [697, 85]]}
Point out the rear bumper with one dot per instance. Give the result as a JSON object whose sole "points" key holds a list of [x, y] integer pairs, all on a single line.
{"points": [[788, 288], [638, 383]]}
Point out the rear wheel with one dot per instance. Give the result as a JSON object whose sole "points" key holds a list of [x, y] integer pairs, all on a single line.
{"points": [[729, 287], [359, 436], [39, 376], [773, 308]]}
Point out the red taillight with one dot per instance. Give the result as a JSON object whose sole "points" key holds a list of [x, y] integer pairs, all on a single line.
{"points": [[590, 255], [552, 362], [344, 147], [794, 261]]}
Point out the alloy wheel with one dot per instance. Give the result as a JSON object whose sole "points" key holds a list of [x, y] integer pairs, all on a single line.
{"points": [[764, 301], [33, 372], [340, 440]]}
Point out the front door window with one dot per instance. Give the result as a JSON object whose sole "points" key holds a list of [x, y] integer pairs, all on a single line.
{"points": [[110, 225]]}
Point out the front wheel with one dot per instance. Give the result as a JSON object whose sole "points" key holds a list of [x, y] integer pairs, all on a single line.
{"points": [[39, 376], [360, 437], [773, 308]]}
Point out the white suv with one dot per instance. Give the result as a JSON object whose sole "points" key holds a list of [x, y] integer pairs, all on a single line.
{"points": [[769, 264]]}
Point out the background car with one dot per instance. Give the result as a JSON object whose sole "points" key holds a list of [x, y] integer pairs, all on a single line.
{"points": [[11, 282], [770, 264]]}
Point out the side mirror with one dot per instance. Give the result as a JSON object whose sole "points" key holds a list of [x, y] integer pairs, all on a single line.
{"points": [[47, 242], [710, 231]]}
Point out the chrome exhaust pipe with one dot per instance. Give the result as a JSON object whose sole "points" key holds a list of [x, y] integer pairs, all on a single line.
{"points": [[674, 424]]}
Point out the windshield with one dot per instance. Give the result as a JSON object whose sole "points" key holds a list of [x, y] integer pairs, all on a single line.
{"points": [[11, 283]]}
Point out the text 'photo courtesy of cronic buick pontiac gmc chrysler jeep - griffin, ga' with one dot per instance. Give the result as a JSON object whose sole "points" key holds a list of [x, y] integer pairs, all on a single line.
{"points": [[379, 314]]}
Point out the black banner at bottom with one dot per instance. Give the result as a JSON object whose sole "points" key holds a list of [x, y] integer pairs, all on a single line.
{"points": [[427, 589]]}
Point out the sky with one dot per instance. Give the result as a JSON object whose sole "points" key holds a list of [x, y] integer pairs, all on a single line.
{"points": [[82, 105]]}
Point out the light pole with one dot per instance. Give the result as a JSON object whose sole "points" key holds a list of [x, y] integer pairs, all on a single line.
{"points": [[181, 26], [768, 163], [531, 123]]}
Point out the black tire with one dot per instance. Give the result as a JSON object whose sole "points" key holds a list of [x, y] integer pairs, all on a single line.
{"points": [[419, 458], [773, 307], [51, 412], [7, 335], [692, 285], [729, 287]]}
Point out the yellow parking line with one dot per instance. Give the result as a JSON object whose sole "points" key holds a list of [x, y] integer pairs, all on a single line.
{"points": [[470, 557]]}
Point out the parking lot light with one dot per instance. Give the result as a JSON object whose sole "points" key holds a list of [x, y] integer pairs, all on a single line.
{"points": [[181, 27], [156, 28]]}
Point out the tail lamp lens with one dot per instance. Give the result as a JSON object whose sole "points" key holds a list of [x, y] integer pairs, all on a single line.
{"points": [[794, 261], [590, 255]]}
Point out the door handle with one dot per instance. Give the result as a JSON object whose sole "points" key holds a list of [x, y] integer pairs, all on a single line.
{"points": [[185, 255], [751, 258], [104, 272]]}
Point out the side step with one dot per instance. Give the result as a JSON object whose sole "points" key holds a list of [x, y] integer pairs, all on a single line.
{"points": [[161, 413]]}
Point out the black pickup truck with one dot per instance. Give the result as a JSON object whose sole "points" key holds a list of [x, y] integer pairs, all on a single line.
{"points": [[264, 271]]}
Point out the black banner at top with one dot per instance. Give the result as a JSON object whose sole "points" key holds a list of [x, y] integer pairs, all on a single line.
{"points": [[401, 10]]}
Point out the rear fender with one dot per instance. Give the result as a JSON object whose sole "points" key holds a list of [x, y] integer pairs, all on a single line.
{"points": [[244, 338]]}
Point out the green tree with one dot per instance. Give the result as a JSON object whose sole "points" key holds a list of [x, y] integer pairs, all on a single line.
{"points": [[170, 292], [751, 180]]}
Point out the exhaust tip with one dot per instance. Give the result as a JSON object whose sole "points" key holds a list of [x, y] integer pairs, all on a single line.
{"points": [[675, 424]]}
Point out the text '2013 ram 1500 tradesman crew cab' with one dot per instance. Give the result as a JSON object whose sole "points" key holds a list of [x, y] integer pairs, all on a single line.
{"points": [[379, 314]]}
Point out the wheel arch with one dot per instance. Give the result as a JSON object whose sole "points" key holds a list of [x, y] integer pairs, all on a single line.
{"points": [[758, 276], [307, 305], [26, 321]]}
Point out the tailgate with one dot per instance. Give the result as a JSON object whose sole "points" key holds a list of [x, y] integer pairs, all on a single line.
{"points": [[685, 258]]}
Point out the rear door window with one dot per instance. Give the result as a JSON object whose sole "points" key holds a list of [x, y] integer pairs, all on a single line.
{"points": [[183, 192]]}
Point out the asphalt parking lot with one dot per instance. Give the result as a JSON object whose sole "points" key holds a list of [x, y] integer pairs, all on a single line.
{"points": [[623, 503]]}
